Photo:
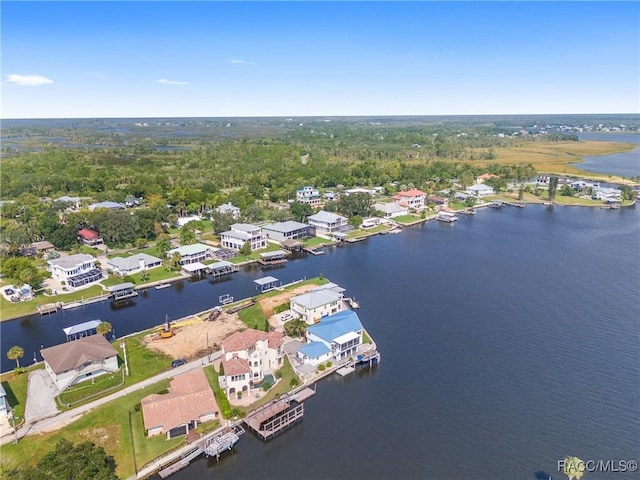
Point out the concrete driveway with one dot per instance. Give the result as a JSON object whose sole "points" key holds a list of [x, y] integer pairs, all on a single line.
{"points": [[41, 393]]}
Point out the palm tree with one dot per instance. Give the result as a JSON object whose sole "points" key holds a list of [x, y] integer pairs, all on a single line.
{"points": [[162, 247], [15, 353], [187, 236], [104, 328]]}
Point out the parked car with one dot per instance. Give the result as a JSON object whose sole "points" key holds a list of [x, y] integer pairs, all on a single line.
{"points": [[178, 362]]}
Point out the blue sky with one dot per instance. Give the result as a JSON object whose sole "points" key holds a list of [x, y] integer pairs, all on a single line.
{"points": [[140, 59]]}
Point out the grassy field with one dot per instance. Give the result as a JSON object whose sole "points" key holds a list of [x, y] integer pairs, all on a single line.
{"points": [[107, 426], [315, 241], [558, 157], [406, 219], [255, 255]]}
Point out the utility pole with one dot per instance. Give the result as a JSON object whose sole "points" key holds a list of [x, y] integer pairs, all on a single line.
{"points": [[124, 352], [15, 431]]}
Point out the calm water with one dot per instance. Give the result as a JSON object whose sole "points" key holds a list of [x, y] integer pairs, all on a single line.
{"points": [[508, 341], [625, 164]]}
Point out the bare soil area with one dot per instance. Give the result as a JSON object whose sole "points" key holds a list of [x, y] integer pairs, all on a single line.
{"points": [[190, 341]]}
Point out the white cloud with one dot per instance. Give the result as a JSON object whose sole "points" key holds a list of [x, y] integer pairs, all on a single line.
{"points": [[28, 80], [236, 61], [171, 82]]}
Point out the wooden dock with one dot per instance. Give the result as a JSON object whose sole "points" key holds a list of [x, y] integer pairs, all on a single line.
{"points": [[279, 415], [313, 251], [241, 306], [48, 308]]}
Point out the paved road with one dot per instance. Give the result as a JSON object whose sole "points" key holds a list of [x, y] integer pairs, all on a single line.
{"points": [[65, 418]]}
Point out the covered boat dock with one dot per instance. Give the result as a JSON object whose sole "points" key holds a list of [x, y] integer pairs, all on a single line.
{"points": [[82, 330], [268, 283], [122, 291], [272, 258], [221, 268]]}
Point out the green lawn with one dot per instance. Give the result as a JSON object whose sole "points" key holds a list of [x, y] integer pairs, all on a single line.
{"points": [[107, 426], [91, 390], [253, 317], [405, 219], [315, 241], [221, 398]]}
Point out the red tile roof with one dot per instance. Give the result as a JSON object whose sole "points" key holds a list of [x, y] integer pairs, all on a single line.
{"points": [[190, 397], [414, 192], [235, 366], [88, 234], [246, 339]]}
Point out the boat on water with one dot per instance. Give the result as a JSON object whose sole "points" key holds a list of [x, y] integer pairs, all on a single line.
{"points": [[395, 230], [162, 285], [446, 217]]}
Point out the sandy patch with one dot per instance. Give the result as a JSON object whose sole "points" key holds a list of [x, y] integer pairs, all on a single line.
{"points": [[267, 304], [190, 341]]}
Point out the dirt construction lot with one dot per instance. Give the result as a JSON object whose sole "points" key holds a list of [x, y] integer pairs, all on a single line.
{"points": [[191, 335]]}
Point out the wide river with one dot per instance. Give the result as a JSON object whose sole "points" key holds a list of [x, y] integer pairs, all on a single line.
{"points": [[509, 340]]}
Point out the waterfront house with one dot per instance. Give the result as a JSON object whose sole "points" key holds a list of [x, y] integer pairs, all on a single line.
{"points": [[413, 198], [198, 252], [89, 237], [367, 191], [437, 200], [391, 210], [247, 356], [139, 262], [321, 302], [289, 230], [229, 209], [308, 195], [190, 401], [607, 194], [327, 223], [340, 334], [480, 190], [108, 205], [83, 359], [242, 233], [76, 270], [132, 202]]}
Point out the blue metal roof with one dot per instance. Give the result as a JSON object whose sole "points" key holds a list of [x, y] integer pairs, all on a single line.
{"points": [[314, 349], [331, 327]]}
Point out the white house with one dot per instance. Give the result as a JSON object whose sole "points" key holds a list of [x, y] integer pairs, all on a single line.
{"points": [[318, 303], [80, 360], [413, 198], [289, 230], [604, 193], [197, 252], [247, 356], [327, 223], [391, 210], [480, 190], [308, 195], [229, 209], [76, 270], [139, 262], [190, 401], [242, 233], [335, 337]]}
